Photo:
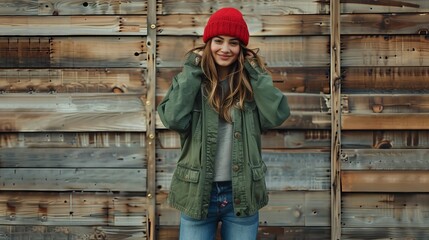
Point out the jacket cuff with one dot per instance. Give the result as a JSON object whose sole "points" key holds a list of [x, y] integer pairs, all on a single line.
{"points": [[252, 67], [193, 60]]}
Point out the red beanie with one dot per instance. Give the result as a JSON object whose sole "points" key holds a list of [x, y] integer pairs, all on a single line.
{"points": [[229, 22]]}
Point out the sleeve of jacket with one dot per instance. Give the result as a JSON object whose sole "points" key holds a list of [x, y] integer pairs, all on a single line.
{"points": [[272, 104], [175, 110]]}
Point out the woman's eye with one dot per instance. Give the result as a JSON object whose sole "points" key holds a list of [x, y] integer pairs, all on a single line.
{"points": [[218, 41], [234, 43]]}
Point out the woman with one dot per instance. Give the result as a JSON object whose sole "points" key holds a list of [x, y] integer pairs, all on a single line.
{"points": [[219, 104]]}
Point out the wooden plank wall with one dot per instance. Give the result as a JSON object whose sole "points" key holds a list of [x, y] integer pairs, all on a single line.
{"points": [[78, 151], [384, 62], [72, 123]]}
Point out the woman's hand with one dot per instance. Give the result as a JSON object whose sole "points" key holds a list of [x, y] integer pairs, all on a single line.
{"points": [[250, 55]]}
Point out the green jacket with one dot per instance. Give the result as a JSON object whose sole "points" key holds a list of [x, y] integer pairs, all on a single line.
{"points": [[186, 111]]}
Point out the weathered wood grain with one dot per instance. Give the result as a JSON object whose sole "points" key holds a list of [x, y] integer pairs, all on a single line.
{"points": [[264, 7], [44, 112], [385, 181], [122, 25], [386, 79], [40, 232], [73, 157], [386, 103], [259, 25], [285, 208], [387, 23], [396, 233], [310, 209], [384, 6], [78, 7], [385, 139], [384, 50], [72, 209], [150, 107], [68, 179], [286, 170], [21, 7], [385, 121], [400, 212], [68, 52], [118, 140], [287, 51], [51, 80], [71, 7], [382, 159], [335, 106]]}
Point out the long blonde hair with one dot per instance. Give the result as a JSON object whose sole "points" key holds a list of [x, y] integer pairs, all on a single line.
{"points": [[238, 79]]}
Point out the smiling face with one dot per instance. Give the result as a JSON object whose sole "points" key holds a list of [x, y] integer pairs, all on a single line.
{"points": [[225, 51]]}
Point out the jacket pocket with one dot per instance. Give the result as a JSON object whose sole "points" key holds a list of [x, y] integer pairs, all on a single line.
{"points": [[258, 173], [187, 174]]}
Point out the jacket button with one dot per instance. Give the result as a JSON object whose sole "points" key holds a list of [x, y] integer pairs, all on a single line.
{"points": [[237, 135], [235, 168], [237, 201]]}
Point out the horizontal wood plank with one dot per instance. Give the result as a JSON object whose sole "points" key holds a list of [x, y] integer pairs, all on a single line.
{"points": [[384, 6], [40, 232], [22, 7], [122, 25], [77, 7], [64, 112], [286, 51], [105, 80], [385, 139], [385, 50], [376, 121], [78, 179], [259, 25], [73, 157], [385, 210], [385, 79], [385, 181], [382, 159], [264, 7], [114, 140], [71, 7], [394, 233], [72, 52], [385, 103], [386, 23], [72, 209]]}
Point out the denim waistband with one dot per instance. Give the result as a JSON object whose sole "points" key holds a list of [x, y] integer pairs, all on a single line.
{"points": [[222, 183]]}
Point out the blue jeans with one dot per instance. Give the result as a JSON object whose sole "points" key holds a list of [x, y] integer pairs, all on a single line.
{"points": [[220, 210]]}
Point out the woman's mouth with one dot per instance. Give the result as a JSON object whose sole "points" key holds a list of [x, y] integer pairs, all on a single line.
{"points": [[224, 57]]}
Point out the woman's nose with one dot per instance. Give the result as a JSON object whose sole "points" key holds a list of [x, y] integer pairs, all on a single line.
{"points": [[224, 48]]}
